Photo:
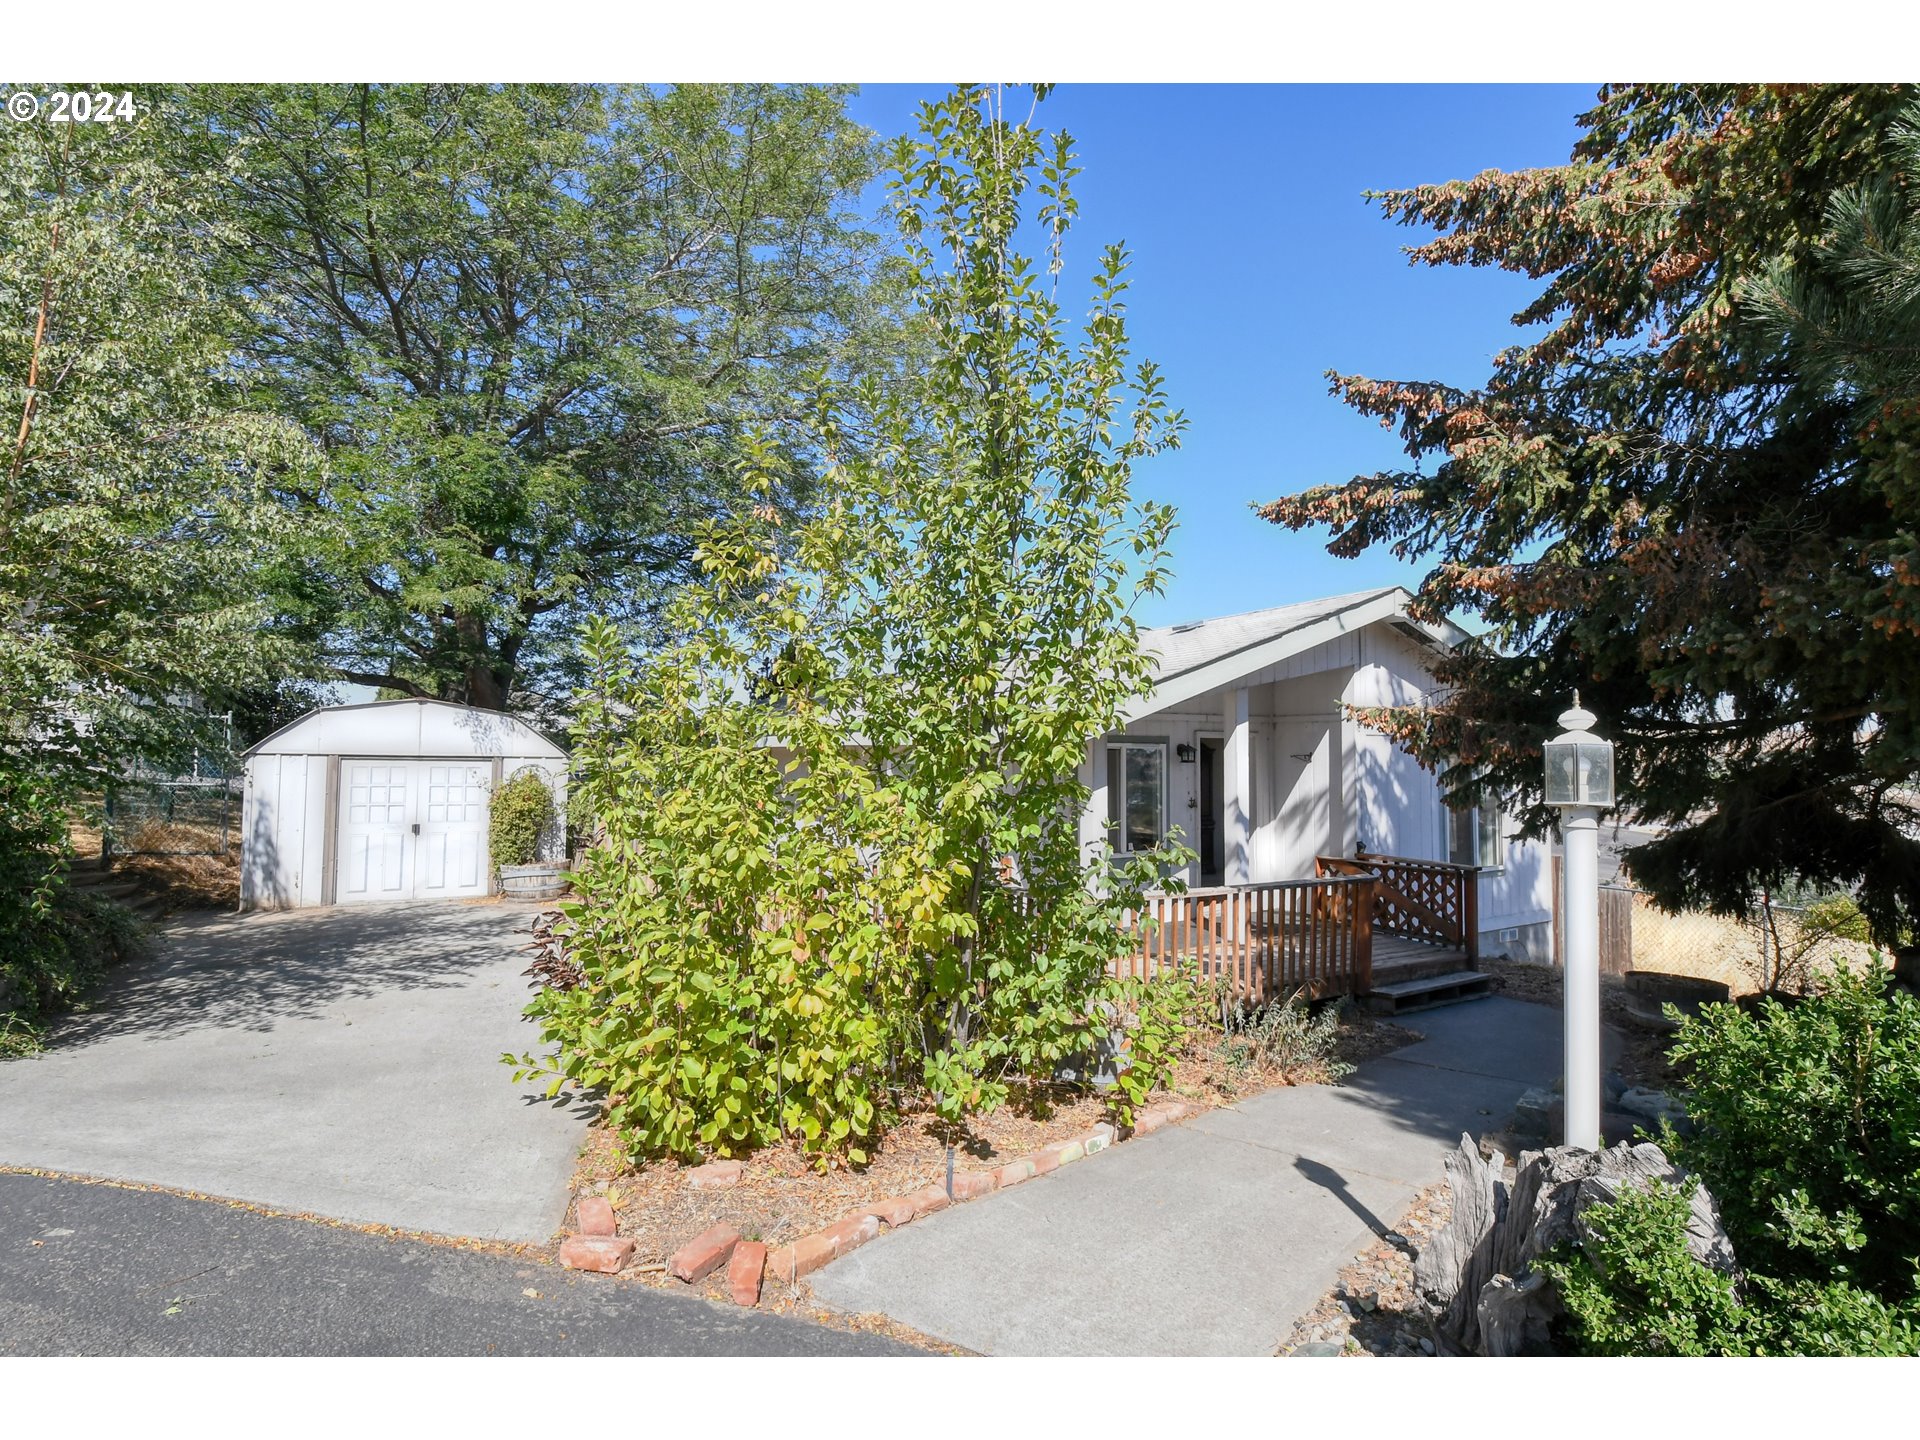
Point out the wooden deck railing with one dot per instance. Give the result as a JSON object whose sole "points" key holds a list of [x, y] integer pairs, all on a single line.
{"points": [[1430, 900], [1264, 940]]}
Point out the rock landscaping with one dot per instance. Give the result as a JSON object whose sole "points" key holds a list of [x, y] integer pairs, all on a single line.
{"points": [[1373, 1308]]}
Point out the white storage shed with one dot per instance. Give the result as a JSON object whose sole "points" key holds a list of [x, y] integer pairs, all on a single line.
{"points": [[384, 801]]}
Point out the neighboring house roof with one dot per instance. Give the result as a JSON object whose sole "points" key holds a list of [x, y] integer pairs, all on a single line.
{"points": [[1205, 654], [407, 728]]}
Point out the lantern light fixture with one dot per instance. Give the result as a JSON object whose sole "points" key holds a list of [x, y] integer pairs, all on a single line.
{"points": [[1579, 762]]}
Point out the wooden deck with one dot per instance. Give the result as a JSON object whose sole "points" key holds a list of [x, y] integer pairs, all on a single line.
{"points": [[1375, 919]]}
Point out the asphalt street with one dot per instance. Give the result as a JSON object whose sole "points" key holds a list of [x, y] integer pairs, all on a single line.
{"points": [[100, 1270]]}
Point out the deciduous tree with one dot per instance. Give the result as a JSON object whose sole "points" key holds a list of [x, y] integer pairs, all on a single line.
{"points": [[841, 866], [526, 325]]}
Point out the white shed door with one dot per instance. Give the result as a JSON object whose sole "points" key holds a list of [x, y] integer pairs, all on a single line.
{"points": [[451, 856], [412, 830]]}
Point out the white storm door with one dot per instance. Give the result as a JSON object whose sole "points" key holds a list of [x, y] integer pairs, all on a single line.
{"points": [[1302, 809], [374, 819], [450, 855]]}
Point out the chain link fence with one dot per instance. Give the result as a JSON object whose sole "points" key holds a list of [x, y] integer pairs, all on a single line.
{"points": [[194, 810], [1777, 947]]}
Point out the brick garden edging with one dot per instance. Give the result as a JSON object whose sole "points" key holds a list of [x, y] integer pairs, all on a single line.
{"points": [[749, 1264]]}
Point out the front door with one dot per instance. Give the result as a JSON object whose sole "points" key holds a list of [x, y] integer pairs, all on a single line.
{"points": [[412, 830]]}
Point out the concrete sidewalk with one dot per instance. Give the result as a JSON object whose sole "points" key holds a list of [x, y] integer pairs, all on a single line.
{"points": [[1212, 1237]]}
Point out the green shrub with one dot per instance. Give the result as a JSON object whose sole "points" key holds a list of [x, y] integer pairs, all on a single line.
{"points": [[522, 811], [1158, 1013], [1801, 1318], [1635, 1289], [1808, 1133], [55, 955]]}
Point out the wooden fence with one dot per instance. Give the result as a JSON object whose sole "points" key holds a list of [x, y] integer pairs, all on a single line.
{"points": [[1616, 924], [1428, 900], [1264, 940]]}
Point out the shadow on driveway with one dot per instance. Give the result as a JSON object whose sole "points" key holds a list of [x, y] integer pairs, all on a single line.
{"points": [[345, 1062], [252, 972]]}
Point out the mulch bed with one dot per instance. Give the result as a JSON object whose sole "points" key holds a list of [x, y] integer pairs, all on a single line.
{"points": [[783, 1195]]}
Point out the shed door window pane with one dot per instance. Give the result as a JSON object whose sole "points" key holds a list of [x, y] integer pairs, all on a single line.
{"points": [[1137, 795]]}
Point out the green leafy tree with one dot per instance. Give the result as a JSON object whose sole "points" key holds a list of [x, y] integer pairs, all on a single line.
{"points": [[841, 865], [526, 324], [1689, 492], [136, 517]]}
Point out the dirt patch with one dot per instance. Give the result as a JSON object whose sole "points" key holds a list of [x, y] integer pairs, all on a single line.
{"points": [[1643, 1061]]}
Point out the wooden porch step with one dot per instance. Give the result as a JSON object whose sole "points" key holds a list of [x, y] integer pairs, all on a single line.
{"points": [[1398, 997], [1413, 963]]}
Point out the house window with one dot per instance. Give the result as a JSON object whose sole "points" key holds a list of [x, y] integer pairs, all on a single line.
{"points": [[1137, 795], [1473, 836]]}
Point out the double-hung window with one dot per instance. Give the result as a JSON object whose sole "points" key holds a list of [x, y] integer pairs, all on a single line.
{"points": [[1473, 835], [1137, 794]]}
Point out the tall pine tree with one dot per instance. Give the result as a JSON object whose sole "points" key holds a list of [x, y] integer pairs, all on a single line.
{"points": [[1693, 495]]}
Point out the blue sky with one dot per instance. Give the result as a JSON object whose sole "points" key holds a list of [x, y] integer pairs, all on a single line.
{"points": [[1257, 265]]}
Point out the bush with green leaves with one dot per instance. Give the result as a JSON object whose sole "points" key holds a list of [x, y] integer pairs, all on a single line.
{"points": [[59, 946], [1157, 1013], [1808, 1132], [521, 813], [839, 869], [1634, 1288]]}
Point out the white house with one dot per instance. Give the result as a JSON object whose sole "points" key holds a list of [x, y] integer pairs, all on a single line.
{"points": [[1245, 746], [384, 801]]}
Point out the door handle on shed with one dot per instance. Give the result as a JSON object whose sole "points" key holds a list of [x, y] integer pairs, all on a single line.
{"points": [[416, 827]]}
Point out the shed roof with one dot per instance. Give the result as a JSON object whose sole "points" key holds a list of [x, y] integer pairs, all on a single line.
{"points": [[407, 728]]}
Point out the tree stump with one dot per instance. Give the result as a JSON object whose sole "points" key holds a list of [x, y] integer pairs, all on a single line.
{"points": [[1483, 1297]]}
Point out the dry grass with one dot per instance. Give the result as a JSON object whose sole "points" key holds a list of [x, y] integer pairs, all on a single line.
{"points": [[206, 881]]}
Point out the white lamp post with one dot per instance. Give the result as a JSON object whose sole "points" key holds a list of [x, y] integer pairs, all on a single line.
{"points": [[1580, 783]]}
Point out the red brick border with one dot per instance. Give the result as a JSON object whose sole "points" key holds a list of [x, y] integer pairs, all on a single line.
{"points": [[811, 1252], [749, 1263]]}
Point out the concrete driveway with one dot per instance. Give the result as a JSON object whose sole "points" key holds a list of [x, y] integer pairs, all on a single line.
{"points": [[342, 1061], [1212, 1237]]}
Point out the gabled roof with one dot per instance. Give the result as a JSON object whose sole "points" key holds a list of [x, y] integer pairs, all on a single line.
{"points": [[1203, 655], [407, 728]]}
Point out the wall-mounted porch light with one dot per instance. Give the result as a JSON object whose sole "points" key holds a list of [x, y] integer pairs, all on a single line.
{"points": [[1186, 753]]}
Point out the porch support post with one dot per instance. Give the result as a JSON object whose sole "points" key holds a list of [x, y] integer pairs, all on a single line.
{"points": [[1338, 827], [1093, 821], [1236, 804]]}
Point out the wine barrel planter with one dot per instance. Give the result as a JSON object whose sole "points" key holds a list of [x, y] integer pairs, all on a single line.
{"points": [[1649, 991], [532, 882]]}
